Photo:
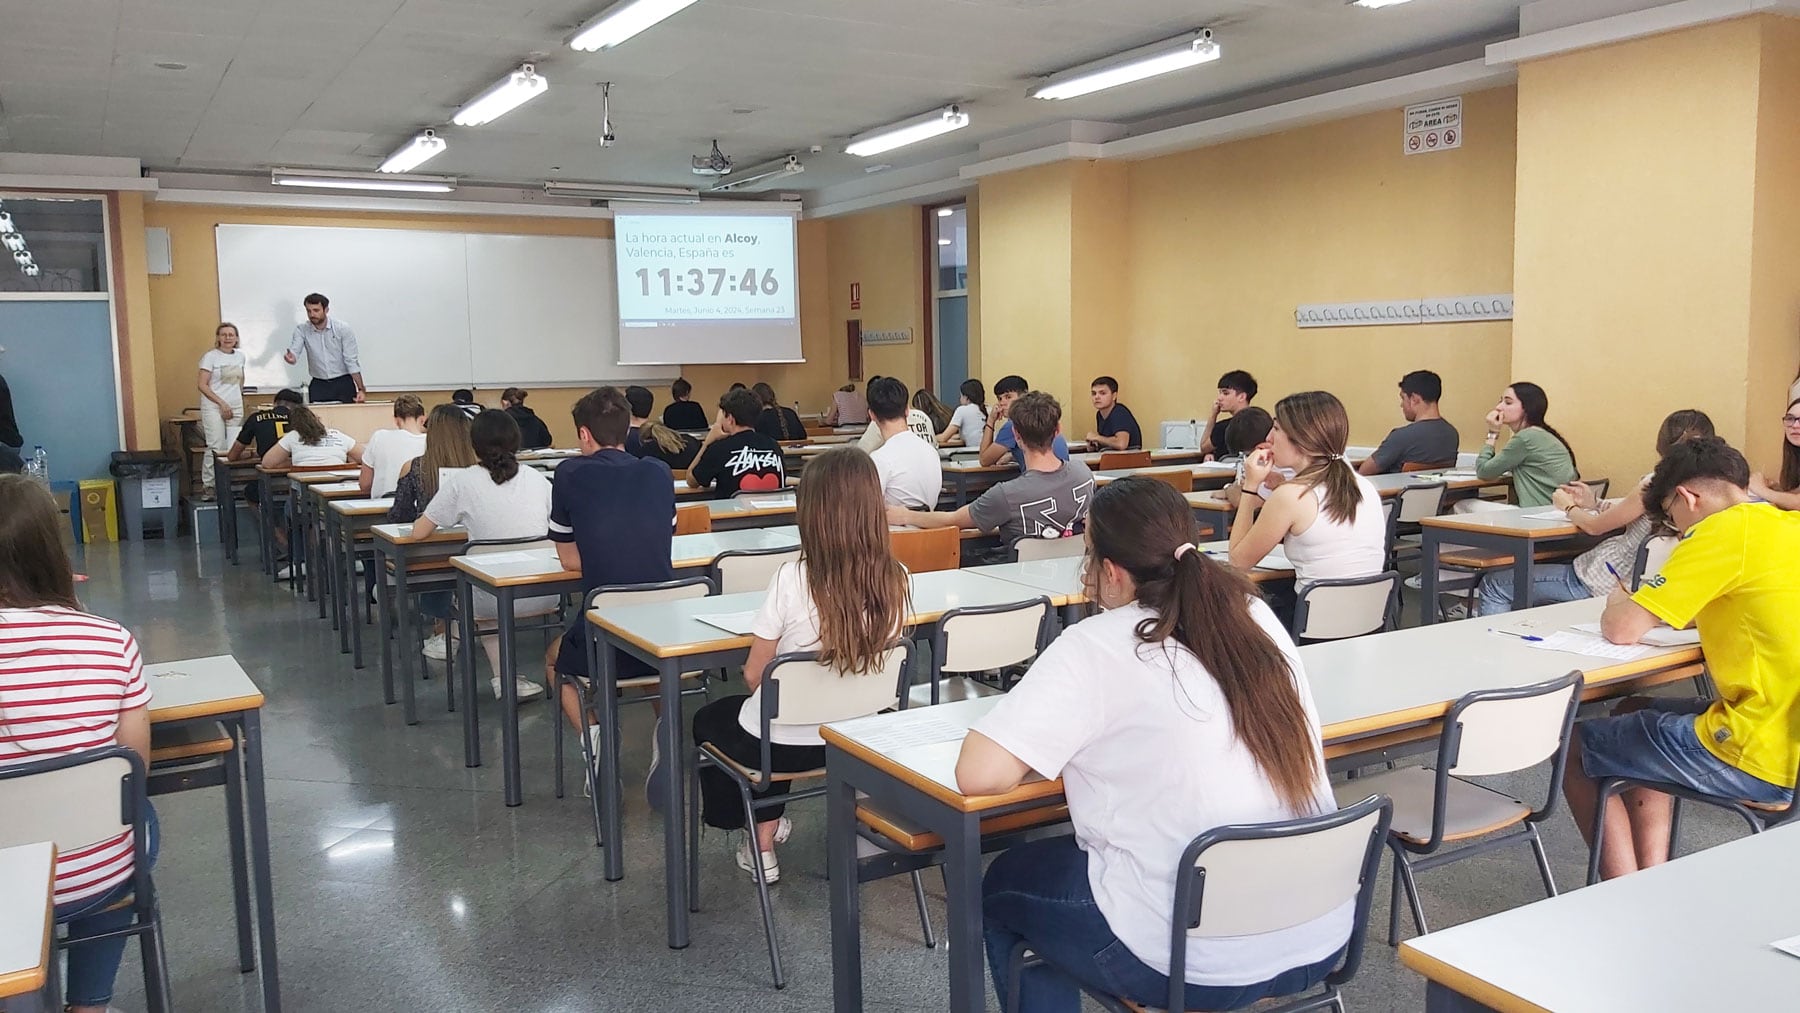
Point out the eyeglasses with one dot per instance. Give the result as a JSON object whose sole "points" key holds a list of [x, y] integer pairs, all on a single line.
{"points": [[1790, 420]]}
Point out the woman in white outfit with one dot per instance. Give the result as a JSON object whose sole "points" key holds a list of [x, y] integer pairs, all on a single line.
{"points": [[221, 396]]}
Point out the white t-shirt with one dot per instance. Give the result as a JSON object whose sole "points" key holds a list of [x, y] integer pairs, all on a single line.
{"points": [[1143, 740], [227, 379], [970, 421], [333, 449], [916, 420], [385, 452], [519, 509], [911, 472], [1330, 549]]}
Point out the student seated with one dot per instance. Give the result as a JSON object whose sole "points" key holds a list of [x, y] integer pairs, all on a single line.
{"points": [[845, 598], [1050, 497], [464, 399], [388, 449], [495, 499], [1601, 570], [308, 444], [1249, 433], [1733, 576], [998, 443], [641, 401], [916, 420], [684, 414], [776, 422], [1537, 457], [734, 457], [1426, 439], [1787, 494], [677, 450], [969, 417], [1327, 519], [937, 411], [447, 447], [611, 517], [262, 430], [847, 407], [1181, 707], [69, 682], [1237, 389], [533, 434], [1115, 428], [911, 472]]}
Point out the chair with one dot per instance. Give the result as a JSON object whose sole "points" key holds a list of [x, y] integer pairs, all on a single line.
{"points": [[982, 638], [740, 570], [1110, 459], [796, 690], [1410, 466], [1651, 555], [1412, 504], [489, 546], [1490, 731], [1180, 481], [1348, 607], [610, 595], [923, 550], [693, 519], [1249, 879], [1599, 485], [80, 800], [1032, 548]]}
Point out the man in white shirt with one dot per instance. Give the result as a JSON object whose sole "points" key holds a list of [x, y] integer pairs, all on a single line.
{"points": [[331, 354], [911, 472], [388, 449]]}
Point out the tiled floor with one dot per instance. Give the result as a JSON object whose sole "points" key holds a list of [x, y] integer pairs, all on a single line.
{"points": [[403, 882]]}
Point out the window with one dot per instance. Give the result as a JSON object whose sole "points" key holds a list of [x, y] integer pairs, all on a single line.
{"points": [[53, 244]]}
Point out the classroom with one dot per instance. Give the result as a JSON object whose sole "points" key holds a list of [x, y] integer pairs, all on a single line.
{"points": [[1145, 505]]}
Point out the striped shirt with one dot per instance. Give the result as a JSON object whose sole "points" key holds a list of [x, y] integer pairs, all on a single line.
{"points": [[64, 678]]}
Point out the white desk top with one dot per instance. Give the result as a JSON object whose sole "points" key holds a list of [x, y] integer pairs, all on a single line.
{"points": [[361, 507], [323, 477], [1058, 578], [334, 489], [1393, 482], [775, 503], [1201, 470], [403, 532], [973, 465], [26, 873], [199, 687], [1513, 520], [925, 740], [519, 566], [702, 549], [1692, 934]]}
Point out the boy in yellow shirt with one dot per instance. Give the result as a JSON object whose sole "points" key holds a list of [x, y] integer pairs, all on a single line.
{"points": [[1734, 576]]}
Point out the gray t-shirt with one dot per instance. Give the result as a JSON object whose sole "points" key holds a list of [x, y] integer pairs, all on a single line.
{"points": [[1427, 441], [1036, 503]]}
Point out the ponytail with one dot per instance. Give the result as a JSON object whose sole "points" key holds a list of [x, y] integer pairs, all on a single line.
{"points": [[1317, 424], [655, 432], [1343, 495]]}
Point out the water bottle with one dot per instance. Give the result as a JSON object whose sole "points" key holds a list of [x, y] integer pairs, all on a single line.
{"points": [[38, 468]]}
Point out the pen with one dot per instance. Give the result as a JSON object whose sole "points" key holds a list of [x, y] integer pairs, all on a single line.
{"points": [[1521, 636], [1616, 575]]}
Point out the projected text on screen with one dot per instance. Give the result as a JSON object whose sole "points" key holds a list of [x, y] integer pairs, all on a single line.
{"points": [[692, 269]]}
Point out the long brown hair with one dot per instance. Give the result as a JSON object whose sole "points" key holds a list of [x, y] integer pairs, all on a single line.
{"points": [[307, 425], [447, 445], [1790, 456], [1318, 426], [858, 587], [34, 568], [1137, 524], [655, 432], [936, 410], [1534, 404], [1686, 424]]}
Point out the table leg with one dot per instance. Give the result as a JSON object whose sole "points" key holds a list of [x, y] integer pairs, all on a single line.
{"points": [[845, 892], [251, 723], [227, 505], [406, 645], [343, 575], [240, 865], [962, 905], [356, 609], [265, 534], [1522, 563], [606, 702], [384, 616], [962, 489], [674, 750], [1443, 999], [465, 663], [1429, 544], [509, 699]]}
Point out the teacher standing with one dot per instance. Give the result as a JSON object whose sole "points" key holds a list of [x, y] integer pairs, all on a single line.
{"points": [[331, 355]]}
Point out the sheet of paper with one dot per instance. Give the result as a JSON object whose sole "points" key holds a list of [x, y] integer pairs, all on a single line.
{"points": [[1548, 515], [1582, 643], [731, 622], [1789, 946], [898, 735], [488, 559], [1275, 560], [1659, 636]]}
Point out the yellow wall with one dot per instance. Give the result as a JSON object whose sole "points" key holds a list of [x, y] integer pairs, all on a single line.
{"points": [[1027, 219], [1774, 345], [1100, 274], [974, 229], [884, 251]]}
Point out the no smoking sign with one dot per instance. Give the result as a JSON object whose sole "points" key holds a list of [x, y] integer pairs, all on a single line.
{"points": [[1432, 126]]}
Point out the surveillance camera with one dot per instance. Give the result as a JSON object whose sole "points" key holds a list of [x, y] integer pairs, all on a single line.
{"points": [[607, 139]]}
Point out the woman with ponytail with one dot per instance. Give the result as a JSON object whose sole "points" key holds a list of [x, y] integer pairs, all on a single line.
{"points": [[1181, 707], [495, 500], [1327, 518], [1537, 456]]}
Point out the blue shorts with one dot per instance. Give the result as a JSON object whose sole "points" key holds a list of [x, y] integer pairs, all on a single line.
{"points": [[1659, 743]]}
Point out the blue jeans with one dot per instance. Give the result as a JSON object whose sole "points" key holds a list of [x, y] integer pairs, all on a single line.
{"points": [[1038, 893], [1659, 743], [92, 966], [1550, 584]]}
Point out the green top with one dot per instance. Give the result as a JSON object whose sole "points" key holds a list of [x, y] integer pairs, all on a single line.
{"points": [[1537, 460]]}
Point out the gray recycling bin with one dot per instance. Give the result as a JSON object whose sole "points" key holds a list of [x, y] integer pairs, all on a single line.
{"points": [[147, 493]]}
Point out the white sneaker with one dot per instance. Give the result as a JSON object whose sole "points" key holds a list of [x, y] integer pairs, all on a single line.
{"points": [[594, 746], [1460, 610], [656, 778], [783, 830], [771, 866], [285, 573], [527, 689], [436, 648]]}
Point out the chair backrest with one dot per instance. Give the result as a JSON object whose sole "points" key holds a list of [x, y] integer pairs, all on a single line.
{"points": [[692, 519], [1498, 731], [72, 800], [1180, 481], [1110, 459], [1249, 879], [1337, 609], [1599, 485], [1417, 502], [923, 550], [798, 690], [981, 638], [650, 594], [1407, 466], [1030, 548], [741, 570], [1651, 556]]}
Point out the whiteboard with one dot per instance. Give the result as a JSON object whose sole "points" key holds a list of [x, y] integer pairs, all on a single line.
{"points": [[431, 310]]}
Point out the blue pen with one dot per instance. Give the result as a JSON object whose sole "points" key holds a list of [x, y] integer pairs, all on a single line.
{"points": [[1616, 575], [1521, 636]]}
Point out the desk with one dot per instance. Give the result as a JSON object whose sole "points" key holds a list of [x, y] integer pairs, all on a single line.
{"points": [[1653, 940], [396, 549], [669, 637], [28, 978], [216, 689], [228, 476], [959, 472], [266, 486], [756, 512], [1207, 474], [347, 523], [314, 499], [1508, 531]]}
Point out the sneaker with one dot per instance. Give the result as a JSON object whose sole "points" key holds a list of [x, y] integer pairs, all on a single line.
{"points": [[436, 648], [784, 829], [285, 573], [1460, 610], [656, 782], [594, 746], [527, 689], [771, 866]]}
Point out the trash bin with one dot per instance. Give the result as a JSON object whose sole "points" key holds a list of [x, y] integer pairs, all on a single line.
{"points": [[147, 491], [99, 511]]}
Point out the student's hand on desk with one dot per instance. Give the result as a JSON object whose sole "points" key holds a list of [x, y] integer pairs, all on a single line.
{"points": [[1578, 494], [288, 357], [900, 517]]}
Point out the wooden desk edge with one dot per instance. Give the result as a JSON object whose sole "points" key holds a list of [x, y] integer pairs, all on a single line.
{"points": [[467, 565], [29, 979], [729, 642], [1464, 983], [1453, 522], [1034, 791], [209, 709]]}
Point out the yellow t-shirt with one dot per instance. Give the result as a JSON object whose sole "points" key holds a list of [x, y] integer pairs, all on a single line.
{"points": [[1737, 576]]}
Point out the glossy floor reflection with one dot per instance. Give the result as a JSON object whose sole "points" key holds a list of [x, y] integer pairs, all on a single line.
{"points": [[403, 881]]}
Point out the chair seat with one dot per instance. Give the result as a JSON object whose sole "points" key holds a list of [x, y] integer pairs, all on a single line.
{"points": [[1448, 580], [753, 775], [653, 681], [1470, 809], [950, 690]]}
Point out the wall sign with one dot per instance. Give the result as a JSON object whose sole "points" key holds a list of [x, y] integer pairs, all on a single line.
{"points": [[856, 295], [1433, 126], [903, 336]]}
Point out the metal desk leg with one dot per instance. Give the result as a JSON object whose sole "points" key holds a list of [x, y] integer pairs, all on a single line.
{"points": [[601, 664], [962, 489], [265, 532], [384, 614], [674, 750], [240, 865], [465, 662], [1522, 563], [509, 698], [343, 575], [356, 609], [227, 501], [251, 722], [1442, 999], [1429, 544], [407, 645], [962, 916], [845, 891]]}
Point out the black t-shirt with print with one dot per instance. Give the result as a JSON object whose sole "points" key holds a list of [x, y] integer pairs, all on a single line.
{"points": [[265, 427], [745, 461]]}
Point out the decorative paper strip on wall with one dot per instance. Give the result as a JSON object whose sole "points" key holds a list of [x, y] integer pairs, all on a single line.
{"points": [[1448, 309]]}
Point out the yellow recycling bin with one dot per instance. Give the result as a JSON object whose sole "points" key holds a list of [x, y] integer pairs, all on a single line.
{"points": [[99, 510]]}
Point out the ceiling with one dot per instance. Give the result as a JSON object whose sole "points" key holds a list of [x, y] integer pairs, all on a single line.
{"points": [[244, 85]]}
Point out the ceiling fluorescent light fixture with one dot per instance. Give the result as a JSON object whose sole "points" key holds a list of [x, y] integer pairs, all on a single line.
{"points": [[778, 169], [416, 152], [621, 21], [362, 181], [1377, 4], [6, 223], [897, 135], [502, 97], [623, 192], [1164, 57]]}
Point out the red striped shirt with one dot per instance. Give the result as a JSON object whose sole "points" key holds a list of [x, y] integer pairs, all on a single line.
{"points": [[64, 678]]}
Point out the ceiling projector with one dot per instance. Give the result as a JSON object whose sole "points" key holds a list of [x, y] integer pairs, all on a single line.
{"points": [[714, 163]]}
